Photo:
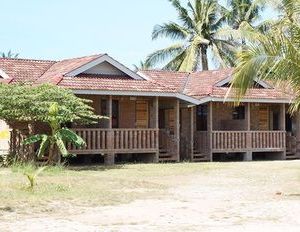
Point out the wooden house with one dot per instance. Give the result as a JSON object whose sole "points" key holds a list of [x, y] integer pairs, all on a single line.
{"points": [[166, 116]]}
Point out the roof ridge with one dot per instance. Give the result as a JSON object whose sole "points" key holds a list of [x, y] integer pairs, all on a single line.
{"points": [[28, 59], [188, 77], [81, 57], [161, 70]]}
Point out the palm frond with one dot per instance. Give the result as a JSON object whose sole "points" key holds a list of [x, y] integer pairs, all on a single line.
{"points": [[170, 30]]}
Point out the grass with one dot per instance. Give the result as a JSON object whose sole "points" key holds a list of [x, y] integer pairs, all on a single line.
{"points": [[99, 186]]}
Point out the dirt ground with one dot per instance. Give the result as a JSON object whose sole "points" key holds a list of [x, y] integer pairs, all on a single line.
{"points": [[262, 196]]}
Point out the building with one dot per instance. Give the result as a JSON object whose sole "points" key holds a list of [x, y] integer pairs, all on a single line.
{"points": [[167, 116]]}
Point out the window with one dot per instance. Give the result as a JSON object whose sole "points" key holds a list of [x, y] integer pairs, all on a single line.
{"points": [[238, 113], [201, 118], [115, 114], [104, 107]]}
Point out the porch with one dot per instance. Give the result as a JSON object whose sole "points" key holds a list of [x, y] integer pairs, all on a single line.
{"points": [[251, 129], [132, 129]]}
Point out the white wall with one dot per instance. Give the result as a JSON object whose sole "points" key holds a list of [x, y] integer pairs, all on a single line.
{"points": [[4, 137], [104, 68]]}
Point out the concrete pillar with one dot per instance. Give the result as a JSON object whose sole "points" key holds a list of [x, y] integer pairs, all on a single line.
{"points": [[109, 159], [210, 128], [248, 156]]}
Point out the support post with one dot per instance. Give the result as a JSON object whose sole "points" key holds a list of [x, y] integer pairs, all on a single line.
{"points": [[109, 159], [298, 134], [248, 153], [210, 129], [192, 109], [282, 127], [156, 126], [177, 128]]}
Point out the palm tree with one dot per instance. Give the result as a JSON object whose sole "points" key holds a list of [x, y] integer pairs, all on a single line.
{"points": [[244, 11], [195, 35], [275, 56], [9, 54]]}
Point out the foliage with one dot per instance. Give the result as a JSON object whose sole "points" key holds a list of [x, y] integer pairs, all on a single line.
{"points": [[241, 11], [9, 54], [32, 176], [58, 136], [197, 34], [31, 104], [274, 56]]}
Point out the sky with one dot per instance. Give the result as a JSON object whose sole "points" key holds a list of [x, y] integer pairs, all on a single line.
{"points": [[58, 29]]}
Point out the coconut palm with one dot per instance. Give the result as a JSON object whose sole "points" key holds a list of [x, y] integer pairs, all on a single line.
{"points": [[244, 11], [275, 56], [9, 54], [195, 35]]}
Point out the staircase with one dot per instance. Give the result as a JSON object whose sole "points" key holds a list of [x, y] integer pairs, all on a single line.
{"points": [[165, 156], [291, 155], [167, 150], [200, 157]]}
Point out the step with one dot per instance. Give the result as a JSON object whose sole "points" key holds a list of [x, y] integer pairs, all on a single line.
{"points": [[163, 151], [204, 159], [291, 157], [171, 159]]}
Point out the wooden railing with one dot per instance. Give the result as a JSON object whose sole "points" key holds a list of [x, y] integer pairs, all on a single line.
{"points": [[240, 141], [116, 140], [268, 139]]}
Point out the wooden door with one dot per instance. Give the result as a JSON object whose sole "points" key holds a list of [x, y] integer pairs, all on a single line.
{"points": [[142, 114]]}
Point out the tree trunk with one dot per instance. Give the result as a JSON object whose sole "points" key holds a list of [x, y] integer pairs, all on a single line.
{"points": [[204, 57], [51, 153], [31, 155]]}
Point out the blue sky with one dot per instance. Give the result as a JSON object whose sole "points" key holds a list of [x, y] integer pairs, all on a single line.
{"points": [[57, 29]]}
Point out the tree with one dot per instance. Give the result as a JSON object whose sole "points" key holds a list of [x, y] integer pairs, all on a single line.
{"points": [[275, 56], [9, 54], [27, 104], [197, 33], [57, 138], [244, 11]]}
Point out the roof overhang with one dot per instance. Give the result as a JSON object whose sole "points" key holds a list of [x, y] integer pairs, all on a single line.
{"points": [[246, 100], [139, 93], [101, 59]]}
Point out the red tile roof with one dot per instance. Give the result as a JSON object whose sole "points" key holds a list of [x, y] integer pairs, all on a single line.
{"points": [[112, 83], [204, 84], [24, 70], [61, 68], [197, 85]]}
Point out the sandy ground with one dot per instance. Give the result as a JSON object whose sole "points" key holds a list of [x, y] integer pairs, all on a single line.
{"points": [[200, 203]]}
